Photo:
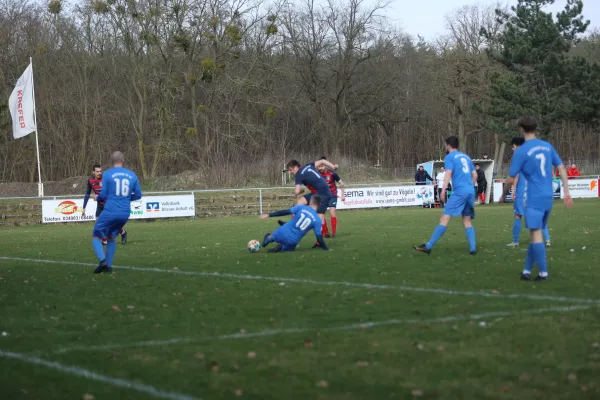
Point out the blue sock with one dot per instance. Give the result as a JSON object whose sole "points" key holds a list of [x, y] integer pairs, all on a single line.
{"points": [[98, 249], [546, 233], [111, 249], [269, 239], [437, 234], [529, 260], [470, 231], [516, 230], [539, 256]]}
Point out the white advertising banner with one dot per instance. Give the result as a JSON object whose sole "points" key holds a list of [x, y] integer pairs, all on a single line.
{"points": [[582, 188], [390, 196], [71, 210]]}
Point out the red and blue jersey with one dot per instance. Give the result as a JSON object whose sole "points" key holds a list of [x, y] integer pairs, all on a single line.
{"points": [[94, 185]]}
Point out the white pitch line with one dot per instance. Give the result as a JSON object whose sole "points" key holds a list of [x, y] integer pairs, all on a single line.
{"points": [[77, 371], [559, 299], [355, 326]]}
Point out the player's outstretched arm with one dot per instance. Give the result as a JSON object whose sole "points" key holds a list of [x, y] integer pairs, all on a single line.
{"points": [[104, 192], [279, 213], [447, 178], [137, 191], [87, 197], [321, 242], [326, 163], [562, 171]]}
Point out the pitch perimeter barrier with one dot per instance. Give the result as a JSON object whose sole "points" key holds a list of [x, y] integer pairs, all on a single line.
{"points": [[243, 201], [580, 188]]}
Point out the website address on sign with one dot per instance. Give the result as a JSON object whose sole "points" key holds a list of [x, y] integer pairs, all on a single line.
{"points": [[393, 201]]}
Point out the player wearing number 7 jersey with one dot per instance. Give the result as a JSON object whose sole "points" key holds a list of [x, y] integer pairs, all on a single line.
{"points": [[119, 187], [460, 169], [533, 160], [289, 235]]}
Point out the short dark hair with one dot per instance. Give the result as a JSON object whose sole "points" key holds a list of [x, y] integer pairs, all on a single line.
{"points": [[316, 200], [96, 166], [517, 141], [528, 123], [478, 165], [292, 163], [323, 158], [452, 141]]}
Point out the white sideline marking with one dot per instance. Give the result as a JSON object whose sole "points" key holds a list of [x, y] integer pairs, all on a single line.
{"points": [[365, 325], [560, 299], [77, 371]]}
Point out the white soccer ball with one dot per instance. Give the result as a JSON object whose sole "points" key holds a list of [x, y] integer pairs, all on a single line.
{"points": [[253, 246]]}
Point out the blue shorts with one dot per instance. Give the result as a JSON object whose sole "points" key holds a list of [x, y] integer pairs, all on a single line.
{"points": [[279, 237], [536, 219], [461, 204], [324, 202], [108, 226], [519, 207]]}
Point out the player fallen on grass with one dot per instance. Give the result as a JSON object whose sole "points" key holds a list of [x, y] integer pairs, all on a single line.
{"points": [[518, 191], [94, 184], [120, 187], [309, 176], [331, 177], [533, 161], [460, 170], [289, 235]]}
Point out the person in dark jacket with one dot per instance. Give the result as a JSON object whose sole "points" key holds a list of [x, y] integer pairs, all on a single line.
{"points": [[421, 176], [481, 184]]}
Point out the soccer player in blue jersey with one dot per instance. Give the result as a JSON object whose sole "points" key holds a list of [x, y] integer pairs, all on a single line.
{"points": [[289, 235], [518, 191], [533, 161], [460, 170], [120, 186], [309, 176]]}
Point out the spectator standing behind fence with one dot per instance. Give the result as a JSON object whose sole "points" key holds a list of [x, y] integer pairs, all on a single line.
{"points": [[440, 184], [573, 172], [481, 184], [421, 176]]}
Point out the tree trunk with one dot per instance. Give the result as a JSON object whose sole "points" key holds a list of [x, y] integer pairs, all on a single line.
{"points": [[462, 138], [142, 157]]}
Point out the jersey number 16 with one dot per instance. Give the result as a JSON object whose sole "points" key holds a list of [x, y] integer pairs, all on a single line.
{"points": [[122, 187]]}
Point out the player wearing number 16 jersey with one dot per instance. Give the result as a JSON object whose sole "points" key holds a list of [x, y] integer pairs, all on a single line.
{"points": [[459, 168], [119, 187], [289, 235]]}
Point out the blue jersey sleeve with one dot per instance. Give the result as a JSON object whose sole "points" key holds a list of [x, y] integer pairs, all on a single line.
{"points": [[517, 162], [336, 177], [318, 228], [296, 209], [87, 194], [103, 196], [136, 194], [299, 178], [556, 161]]}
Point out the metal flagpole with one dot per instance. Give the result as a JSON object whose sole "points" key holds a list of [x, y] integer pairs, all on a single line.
{"points": [[37, 143]]}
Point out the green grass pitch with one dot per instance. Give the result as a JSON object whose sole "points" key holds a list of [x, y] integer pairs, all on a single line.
{"points": [[370, 319]]}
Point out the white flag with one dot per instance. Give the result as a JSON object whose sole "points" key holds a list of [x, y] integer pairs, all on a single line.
{"points": [[21, 105]]}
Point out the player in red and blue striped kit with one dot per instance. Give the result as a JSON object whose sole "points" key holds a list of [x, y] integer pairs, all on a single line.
{"points": [[331, 178], [94, 184]]}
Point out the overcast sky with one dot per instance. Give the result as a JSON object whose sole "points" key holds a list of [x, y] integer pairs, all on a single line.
{"points": [[426, 17]]}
